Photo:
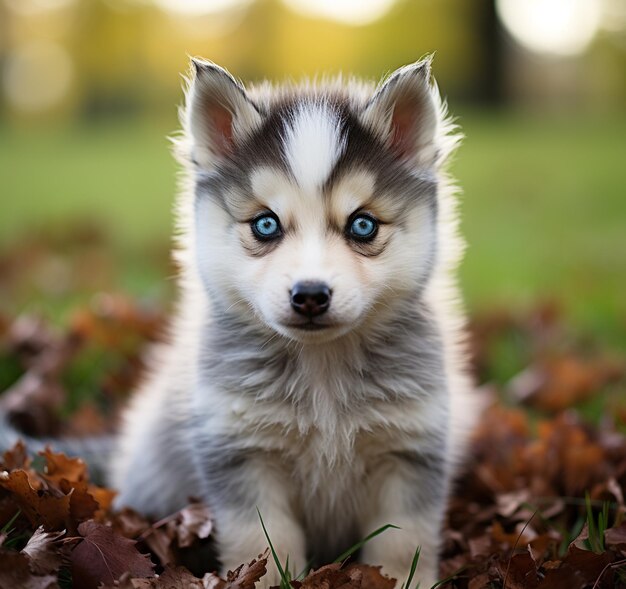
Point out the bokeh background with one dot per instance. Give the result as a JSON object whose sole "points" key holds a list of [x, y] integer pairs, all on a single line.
{"points": [[88, 95]]}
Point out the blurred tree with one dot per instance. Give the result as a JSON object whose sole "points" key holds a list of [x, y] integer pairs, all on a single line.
{"points": [[488, 87], [126, 54]]}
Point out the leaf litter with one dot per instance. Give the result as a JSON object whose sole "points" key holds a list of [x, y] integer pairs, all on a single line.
{"points": [[539, 504]]}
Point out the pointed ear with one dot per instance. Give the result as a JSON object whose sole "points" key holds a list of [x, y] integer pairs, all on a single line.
{"points": [[404, 112], [218, 113]]}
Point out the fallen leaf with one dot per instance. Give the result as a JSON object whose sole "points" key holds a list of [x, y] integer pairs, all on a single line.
{"points": [[44, 556], [481, 581], [326, 577], [59, 467], [194, 521], [519, 572], [370, 577], [16, 574], [160, 543], [171, 578], [16, 457], [40, 507], [247, 575], [616, 537], [102, 557]]}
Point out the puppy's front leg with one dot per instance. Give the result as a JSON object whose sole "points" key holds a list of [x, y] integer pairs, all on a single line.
{"points": [[410, 491], [235, 490]]}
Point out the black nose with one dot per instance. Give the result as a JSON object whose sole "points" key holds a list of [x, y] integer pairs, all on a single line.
{"points": [[310, 298]]}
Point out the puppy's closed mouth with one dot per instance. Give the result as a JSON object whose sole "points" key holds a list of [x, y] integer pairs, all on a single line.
{"points": [[310, 326]]}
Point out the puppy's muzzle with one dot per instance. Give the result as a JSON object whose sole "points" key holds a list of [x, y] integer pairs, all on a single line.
{"points": [[310, 298]]}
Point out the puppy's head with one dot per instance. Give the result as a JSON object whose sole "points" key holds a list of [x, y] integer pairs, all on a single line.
{"points": [[315, 207]]}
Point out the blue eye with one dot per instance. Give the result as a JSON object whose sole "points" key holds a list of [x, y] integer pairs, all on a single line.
{"points": [[266, 227], [363, 227]]}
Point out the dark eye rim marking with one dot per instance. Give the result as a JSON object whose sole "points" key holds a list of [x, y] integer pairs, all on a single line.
{"points": [[362, 238], [260, 236]]}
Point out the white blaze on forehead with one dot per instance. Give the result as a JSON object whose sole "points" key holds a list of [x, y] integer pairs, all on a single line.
{"points": [[313, 143]]}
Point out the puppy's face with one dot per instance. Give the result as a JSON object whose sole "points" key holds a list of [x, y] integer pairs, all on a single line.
{"points": [[312, 223]]}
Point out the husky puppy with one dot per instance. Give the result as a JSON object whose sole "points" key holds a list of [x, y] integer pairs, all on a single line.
{"points": [[315, 369]]}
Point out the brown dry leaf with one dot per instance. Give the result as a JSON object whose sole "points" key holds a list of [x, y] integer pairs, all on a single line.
{"points": [[41, 508], [102, 557], [115, 321], [70, 476], [59, 467], [519, 572], [544, 546], [194, 521], [578, 570], [587, 563], [480, 581], [331, 576], [16, 457], [567, 380], [33, 402], [16, 574], [356, 576], [180, 530], [82, 504], [247, 575], [129, 523], [521, 536], [160, 543], [509, 503], [610, 491], [44, 556], [104, 497], [480, 546], [171, 578], [370, 577], [29, 336], [213, 581], [616, 537]]}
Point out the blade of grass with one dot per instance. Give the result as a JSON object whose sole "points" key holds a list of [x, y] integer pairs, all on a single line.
{"points": [[414, 562], [284, 579], [603, 524], [365, 540], [287, 572], [592, 541], [6, 528], [508, 566]]}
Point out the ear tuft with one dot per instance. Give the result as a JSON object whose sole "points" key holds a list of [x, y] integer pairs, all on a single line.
{"points": [[218, 113], [404, 112]]}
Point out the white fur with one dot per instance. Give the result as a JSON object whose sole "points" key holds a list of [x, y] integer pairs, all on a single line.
{"points": [[313, 144]]}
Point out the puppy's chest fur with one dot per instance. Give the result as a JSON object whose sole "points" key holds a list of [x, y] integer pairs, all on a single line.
{"points": [[325, 398], [330, 419]]}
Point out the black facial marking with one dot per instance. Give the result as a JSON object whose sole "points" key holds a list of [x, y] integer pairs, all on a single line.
{"points": [[395, 178]]}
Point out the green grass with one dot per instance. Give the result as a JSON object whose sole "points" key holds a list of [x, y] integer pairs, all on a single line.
{"points": [[544, 215], [596, 528], [544, 211], [118, 174]]}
